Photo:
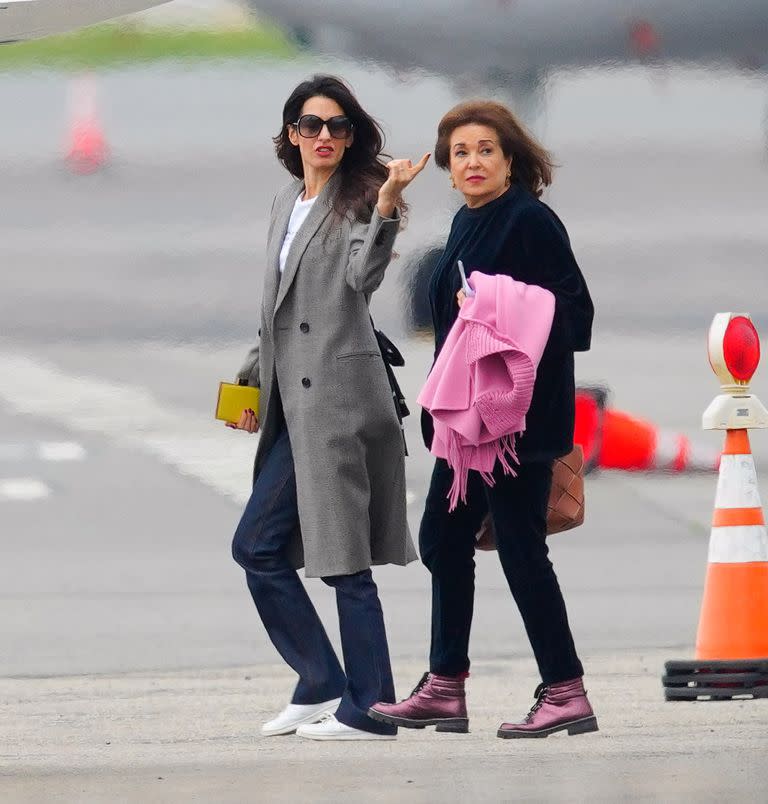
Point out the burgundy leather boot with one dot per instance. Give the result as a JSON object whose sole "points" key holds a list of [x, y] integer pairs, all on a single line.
{"points": [[436, 701], [558, 707]]}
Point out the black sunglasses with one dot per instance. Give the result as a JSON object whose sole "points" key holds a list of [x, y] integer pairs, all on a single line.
{"points": [[310, 125]]}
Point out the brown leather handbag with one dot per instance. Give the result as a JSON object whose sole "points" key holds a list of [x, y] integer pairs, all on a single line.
{"points": [[566, 500]]}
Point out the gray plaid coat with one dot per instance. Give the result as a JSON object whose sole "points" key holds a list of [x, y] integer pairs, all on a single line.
{"points": [[317, 341]]}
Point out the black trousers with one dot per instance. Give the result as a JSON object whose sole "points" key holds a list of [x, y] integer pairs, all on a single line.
{"points": [[518, 506]]}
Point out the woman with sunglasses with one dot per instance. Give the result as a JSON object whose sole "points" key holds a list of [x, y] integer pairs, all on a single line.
{"points": [[329, 476]]}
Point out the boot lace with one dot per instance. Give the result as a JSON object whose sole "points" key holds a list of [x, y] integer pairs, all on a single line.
{"points": [[539, 695], [418, 688]]}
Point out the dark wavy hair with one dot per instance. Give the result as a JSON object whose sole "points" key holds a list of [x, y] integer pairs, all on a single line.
{"points": [[532, 164], [363, 166]]}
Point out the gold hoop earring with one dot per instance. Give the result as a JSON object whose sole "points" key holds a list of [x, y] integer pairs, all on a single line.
{"points": [[453, 183], [509, 176]]}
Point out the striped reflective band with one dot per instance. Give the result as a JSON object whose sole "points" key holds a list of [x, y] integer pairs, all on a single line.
{"points": [[739, 544], [737, 484]]}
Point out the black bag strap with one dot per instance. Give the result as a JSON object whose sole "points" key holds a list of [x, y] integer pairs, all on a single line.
{"points": [[392, 356]]}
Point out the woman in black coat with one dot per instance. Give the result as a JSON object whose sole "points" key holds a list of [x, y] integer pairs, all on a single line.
{"points": [[504, 228]]}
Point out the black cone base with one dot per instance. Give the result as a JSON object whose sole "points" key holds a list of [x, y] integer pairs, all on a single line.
{"points": [[715, 680]]}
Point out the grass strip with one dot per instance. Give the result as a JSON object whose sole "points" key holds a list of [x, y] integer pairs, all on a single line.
{"points": [[120, 44]]}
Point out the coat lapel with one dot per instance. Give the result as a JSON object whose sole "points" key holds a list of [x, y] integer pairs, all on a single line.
{"points": [[282, 216], [319, 212]]}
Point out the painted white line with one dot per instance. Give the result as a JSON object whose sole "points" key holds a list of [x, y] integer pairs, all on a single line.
{"points": [[194, 444], [23, 489], [58, 451], [54, 451]]}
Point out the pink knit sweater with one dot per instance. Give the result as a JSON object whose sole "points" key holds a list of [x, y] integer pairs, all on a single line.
{"points": [[480, 388]]}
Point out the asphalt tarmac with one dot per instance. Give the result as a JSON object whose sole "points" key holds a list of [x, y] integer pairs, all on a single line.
{"points": [[127, 296]]}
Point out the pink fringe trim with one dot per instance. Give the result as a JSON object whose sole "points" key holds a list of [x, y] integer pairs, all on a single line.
{"points": [[459, 459]]}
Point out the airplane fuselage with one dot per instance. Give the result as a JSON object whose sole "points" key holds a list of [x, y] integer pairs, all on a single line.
{"points": [[527, 37], [32, 19]]}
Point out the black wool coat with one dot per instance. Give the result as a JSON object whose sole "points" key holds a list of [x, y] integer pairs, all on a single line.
{"points": [[520, 236]]}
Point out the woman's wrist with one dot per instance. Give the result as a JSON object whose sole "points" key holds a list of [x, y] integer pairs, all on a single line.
{"points": [[386, 205]]}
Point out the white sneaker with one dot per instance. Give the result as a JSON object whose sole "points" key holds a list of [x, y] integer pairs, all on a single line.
{"points": [[330, 729], [295, 715]]}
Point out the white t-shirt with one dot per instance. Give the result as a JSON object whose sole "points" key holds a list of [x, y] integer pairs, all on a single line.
{"points": [[298, 216]]}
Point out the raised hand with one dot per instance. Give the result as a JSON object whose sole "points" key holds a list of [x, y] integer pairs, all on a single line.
{"points": [[401, 173]]}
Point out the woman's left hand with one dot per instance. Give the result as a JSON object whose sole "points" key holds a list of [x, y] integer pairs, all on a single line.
{"points": [[461, 297], [401, 173]]}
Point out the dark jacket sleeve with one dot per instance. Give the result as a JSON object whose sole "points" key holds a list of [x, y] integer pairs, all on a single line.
{"points": [[550, 264]]}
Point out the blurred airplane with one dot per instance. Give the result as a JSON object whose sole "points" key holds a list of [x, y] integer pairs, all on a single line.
{"points": [[31, 19], [528, 37], [512, 45]]}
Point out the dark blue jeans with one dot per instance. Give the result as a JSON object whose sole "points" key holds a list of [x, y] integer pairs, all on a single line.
{"points": [[268, 522], [518, 506]]}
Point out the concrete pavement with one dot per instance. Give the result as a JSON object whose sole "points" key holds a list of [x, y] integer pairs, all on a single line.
{"points": [[194, 736]]}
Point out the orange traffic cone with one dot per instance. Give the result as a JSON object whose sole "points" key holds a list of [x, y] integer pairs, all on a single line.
{"points": [[732, 639], [734, 613], [88, 151], [613, 439], [635, 444]]}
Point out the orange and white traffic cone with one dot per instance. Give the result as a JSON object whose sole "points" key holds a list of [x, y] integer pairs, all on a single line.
{"points": [[732, 639], [734, 612], [613, 439], [635, 444], [87, 151]]}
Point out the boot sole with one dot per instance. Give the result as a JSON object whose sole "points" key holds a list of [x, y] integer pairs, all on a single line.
{"points": [[456, 725], [583, 726]]}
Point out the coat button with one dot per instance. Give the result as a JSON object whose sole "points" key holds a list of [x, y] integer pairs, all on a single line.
{"points": [[304, 327], [306, 382]]}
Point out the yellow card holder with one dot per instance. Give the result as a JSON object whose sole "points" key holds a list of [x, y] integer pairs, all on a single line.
{"points": [[234, 399]]}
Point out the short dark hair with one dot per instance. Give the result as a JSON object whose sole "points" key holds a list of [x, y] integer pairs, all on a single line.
{"points": [[532, 164], [363, 166]]}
